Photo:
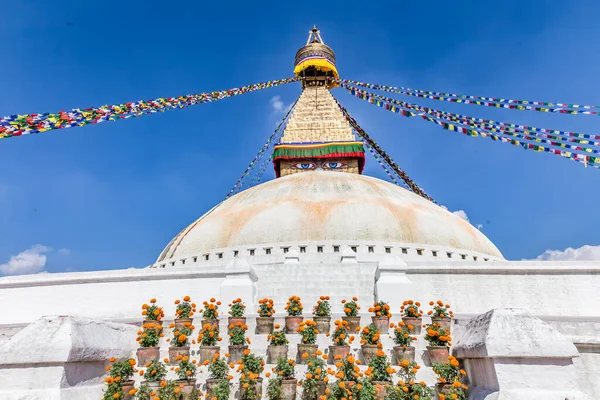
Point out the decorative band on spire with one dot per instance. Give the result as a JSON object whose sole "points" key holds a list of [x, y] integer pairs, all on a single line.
{"points": [[319, 150], [320, 63]]}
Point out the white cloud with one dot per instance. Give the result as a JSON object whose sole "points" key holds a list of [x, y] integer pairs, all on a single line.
{"points": [[463, 214], [30, 261], [64, 252], [583, 253], [279, 106]]}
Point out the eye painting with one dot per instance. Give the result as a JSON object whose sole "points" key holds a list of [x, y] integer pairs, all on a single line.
{"points": [[333, 165], [305, 165]]}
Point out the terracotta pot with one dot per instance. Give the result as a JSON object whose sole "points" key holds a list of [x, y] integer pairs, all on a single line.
{"points": [[402, 353], [438, 354], [288, 389], [189, 385], [274, 353], [258, 389], [368, 352], [442, 388], [146, 354], [208, 353], [210, 322], [236, 352], [126, 387], [150, 321], [323, 324], [380, 389], [180, 323], [382, 323], [353, 323], [417, 323], [319, 390], [175, 351], [445, 323], [337, 352], [292, 323], [152, 385], [211, 386], [309, 349], [264, 325], [234, 320]]}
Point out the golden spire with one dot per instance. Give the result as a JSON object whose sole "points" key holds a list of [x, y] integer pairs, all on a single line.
{"points": [[315, 61]]}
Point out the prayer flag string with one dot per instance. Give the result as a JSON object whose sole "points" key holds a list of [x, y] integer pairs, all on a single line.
{"points": [[271, 140], [395, 167], [522, 105], [371, 98], [23, 124], [487, 125], [529, 130], [382, 163]]}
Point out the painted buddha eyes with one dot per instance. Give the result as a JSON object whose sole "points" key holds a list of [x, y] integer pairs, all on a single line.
{"points": [[306, 165], [333, 165]]}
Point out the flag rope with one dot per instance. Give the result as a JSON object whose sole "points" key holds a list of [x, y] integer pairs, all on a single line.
{"points": [[264, 149], [425, 114], [395, 167], [522, 105], [17, 125], [487, 125]]}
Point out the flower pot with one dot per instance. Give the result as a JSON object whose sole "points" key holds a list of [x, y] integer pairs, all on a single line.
{"points": [[417, 323], [353, 323], [151, 321], [236, 352], [208, 353], [444, 323], [288, 389], [274, 353], [368, 352], [211, 386], [126, 387], [180, 323], [211, 322], [187, 390], [153, 385], [442, 388], [438, 354], [257, 388], [382, 323], [337, 352], [404, 353], [175, 351], [292, 323], [147, 354], [323, 324], [380, 389], [264, 325], [309, 349], [234, 320], [321, 388]]}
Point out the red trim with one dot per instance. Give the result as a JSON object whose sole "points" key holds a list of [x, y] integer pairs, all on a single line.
{"points": [[359, 155]]}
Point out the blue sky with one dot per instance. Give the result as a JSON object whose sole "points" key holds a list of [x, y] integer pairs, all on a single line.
{"points": [[112, 195]]}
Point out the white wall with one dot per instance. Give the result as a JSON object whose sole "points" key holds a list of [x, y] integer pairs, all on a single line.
{"points": [[114, 295], [543, 288]]}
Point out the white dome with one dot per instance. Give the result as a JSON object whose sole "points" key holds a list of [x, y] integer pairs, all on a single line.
{"points": [[326, 207]]}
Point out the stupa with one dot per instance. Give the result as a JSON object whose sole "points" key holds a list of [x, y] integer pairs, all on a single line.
{"points": [[523, 329]]}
